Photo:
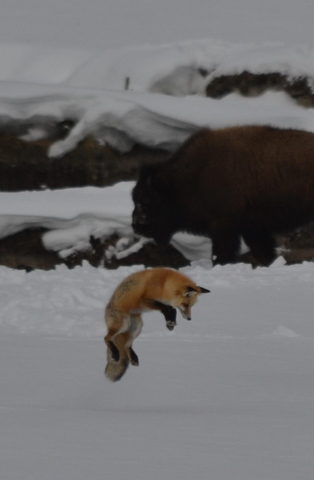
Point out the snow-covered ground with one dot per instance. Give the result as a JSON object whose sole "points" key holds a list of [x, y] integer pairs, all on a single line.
{"points": [[229, 395]]}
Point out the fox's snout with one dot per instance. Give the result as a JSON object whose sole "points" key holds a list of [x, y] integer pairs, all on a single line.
{"points": [[185, 312]]}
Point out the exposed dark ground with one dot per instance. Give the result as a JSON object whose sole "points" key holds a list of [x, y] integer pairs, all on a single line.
{"points": [[25, 166]]}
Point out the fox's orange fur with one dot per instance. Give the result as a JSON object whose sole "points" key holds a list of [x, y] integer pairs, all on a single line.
{"points": [[160, 289]]}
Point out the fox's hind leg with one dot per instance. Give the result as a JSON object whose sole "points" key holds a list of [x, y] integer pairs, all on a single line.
{"points": [[115, 354], [116, 324], [135, 330]]}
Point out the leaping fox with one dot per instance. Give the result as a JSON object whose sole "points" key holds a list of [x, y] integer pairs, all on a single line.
{"points": [[160, 289]]}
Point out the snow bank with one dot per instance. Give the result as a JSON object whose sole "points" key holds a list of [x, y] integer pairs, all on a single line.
{"points": [[73, 215], [165, 67], [70, 215], [134, 95]]}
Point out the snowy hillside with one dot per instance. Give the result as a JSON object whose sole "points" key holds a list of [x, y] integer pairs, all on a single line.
{"points": [[134, 95], [69, 61]]}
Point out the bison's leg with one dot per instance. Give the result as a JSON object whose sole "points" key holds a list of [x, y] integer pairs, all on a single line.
{"points": [[226, 244], [261, 243]]}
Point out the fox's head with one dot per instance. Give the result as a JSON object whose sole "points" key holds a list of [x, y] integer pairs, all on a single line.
{"points": [[186, 298]]}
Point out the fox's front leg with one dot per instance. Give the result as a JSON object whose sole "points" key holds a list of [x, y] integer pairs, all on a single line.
{"points": [[168, 312], [170, 315]]}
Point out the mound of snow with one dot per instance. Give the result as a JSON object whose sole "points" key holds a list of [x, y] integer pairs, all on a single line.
{"points": [[134, 95]]}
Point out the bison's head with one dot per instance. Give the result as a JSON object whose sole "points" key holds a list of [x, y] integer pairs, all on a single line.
{"points": [[154, 215]]}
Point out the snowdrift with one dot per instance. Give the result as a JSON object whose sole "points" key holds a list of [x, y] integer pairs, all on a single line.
{"points": [[153, 96]]}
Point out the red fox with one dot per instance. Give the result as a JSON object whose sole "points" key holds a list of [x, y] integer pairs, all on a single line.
{"points": [[160, 289]]}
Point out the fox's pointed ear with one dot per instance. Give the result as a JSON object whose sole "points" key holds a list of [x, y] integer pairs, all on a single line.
{"points": [[190, 292], [203, 290]]}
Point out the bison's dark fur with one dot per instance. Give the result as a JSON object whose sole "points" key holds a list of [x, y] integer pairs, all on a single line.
{"points": [[250, 182]]}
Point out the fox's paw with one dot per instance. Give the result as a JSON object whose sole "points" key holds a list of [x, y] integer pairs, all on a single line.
{"points": [[134, 358], [170, 324]]}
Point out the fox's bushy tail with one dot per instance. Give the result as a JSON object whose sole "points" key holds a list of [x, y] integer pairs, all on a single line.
{"points": [[115, 370]]}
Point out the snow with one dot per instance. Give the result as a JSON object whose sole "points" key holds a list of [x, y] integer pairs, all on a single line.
{"points": [[228, 395], [88, 87]]}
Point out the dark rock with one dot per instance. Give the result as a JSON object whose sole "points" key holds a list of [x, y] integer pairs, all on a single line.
{"points": [[252, 84], [26, 166]]}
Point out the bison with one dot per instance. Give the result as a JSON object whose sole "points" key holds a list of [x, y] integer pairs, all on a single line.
{"points": [[251, 182]]}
